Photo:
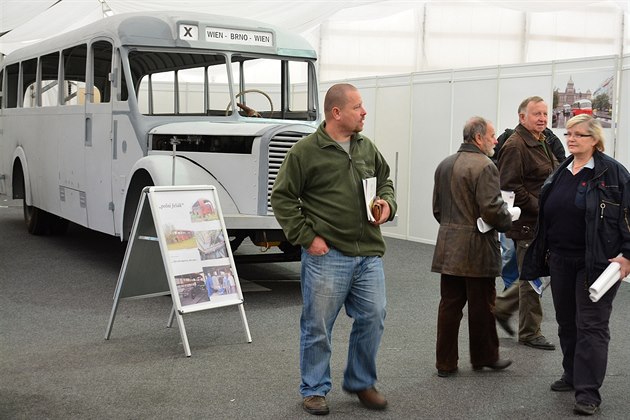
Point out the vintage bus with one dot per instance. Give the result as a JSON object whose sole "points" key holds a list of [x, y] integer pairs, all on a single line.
{"points": [[582, 106], [92, 116]]}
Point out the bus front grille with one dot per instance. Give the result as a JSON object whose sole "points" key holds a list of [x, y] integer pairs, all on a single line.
{"points": [[278, 148]]}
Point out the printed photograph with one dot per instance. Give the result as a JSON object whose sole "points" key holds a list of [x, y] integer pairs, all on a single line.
{"points": [[203, 210], [211, 244], [582, 93]]}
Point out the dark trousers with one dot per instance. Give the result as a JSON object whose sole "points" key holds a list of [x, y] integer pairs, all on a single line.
{"points": [[582, 327], [480, 293]]}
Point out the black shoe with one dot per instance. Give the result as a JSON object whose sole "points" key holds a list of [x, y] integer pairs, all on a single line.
{"points": [[561, 386], [315, 404], [585, 409], [446, 373], [498, 365], [505, 324], [540, 343]]}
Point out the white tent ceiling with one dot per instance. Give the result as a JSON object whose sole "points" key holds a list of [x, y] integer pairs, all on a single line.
{"points": [[373, 37]]}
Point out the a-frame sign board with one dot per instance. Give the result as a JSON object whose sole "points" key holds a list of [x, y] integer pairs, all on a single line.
{"points": [[178, 246]]}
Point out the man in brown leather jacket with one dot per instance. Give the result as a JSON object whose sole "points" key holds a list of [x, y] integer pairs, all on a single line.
{"points": [[466, 188], [525, 162]]}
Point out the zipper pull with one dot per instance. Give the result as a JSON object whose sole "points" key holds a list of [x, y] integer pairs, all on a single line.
{"points": [[602, 206]]}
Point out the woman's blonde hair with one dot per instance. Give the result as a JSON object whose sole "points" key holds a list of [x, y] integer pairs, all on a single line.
{"points": [[594, 128]]}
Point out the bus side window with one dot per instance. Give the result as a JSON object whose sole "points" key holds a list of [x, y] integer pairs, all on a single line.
{"points": [[1, 86], [13, 72], [49, 67], [101, 68], [74, 61], [123, 91], [29, 83]]}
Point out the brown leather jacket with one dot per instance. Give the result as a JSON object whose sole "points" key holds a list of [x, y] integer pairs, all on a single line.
{"points": [[467, 187], [524, 164]]}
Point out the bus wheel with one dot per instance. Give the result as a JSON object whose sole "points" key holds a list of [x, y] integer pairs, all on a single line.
{"points": [[36, 219]]}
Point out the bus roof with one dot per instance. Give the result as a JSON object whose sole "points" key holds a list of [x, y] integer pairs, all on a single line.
{"points": [[178, 30]]}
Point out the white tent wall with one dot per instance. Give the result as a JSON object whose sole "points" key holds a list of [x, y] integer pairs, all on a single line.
{"points": [[417, 120], [423, 67]]}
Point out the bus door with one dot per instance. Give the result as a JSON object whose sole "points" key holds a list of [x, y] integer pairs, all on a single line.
{"points": [[98, 137], [67, 128]]}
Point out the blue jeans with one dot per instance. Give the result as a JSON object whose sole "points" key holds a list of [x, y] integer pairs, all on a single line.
{"points": [[329, 282], [509, 272]]}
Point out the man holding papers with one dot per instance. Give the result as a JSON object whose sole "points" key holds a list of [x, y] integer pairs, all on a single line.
{"points": [[469, 260], [583, 226], [318, 200]]}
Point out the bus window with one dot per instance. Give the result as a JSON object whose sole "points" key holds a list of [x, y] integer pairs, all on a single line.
{"points": [[102, 66], [298, 95], [13, 71], [122, 93], [156, 94], [29, 83], [74, 61], [50, 90], [190, 91], [163, 77]]}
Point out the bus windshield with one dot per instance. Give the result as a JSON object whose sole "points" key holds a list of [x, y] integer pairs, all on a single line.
{"points": [[176, 83]]}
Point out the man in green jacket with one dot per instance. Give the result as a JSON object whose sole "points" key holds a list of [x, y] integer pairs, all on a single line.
{"points": [[318, 200]]}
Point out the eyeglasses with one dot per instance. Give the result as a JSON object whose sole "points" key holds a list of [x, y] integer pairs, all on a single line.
{"points": [[576, 135]]}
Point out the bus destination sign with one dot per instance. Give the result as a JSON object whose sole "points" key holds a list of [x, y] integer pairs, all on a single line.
{"points": [[239, 36]]}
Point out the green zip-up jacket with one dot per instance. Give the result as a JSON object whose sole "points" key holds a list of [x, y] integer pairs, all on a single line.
{"points": [[319, 192]]}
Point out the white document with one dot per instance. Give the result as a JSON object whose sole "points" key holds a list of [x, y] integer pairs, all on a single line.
{"points": [[484, 227], [508, 197], [605, 281], [369, 192]]}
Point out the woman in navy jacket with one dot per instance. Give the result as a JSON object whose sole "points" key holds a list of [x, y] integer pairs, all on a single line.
{"points": [[583, 225]]}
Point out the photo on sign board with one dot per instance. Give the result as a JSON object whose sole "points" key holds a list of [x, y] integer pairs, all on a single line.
{"points": [[191, 288], [211, 244], [203, 210], [213, 284], [179, 238]]}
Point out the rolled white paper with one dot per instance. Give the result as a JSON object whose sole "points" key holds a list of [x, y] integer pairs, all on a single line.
{"points": [[484, 227], [515, 212], [605, 281]]}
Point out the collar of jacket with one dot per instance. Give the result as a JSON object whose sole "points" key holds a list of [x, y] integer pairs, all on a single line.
{"points": [[598, 170], [469, 147], [324, 140], [527, 135]]}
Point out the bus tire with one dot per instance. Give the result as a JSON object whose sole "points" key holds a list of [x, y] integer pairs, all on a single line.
{"points": [[36, 219]]}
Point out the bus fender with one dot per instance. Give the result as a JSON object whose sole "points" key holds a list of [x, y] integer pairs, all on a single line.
{"points": [[19, 154], [160, 168]]}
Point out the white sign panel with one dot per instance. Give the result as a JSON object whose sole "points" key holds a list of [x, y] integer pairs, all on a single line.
{"points": [[188, 32], [239, 37]]}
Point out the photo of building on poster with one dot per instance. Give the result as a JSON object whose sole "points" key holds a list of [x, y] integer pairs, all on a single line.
{"points": [[582, 93], [211, 284]]}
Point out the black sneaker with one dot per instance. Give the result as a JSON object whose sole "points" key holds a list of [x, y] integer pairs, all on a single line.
{"points": [[585, 409], [315, 404]]}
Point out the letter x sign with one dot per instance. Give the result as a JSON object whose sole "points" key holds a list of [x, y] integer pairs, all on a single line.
{"points": [[188, 32]]}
